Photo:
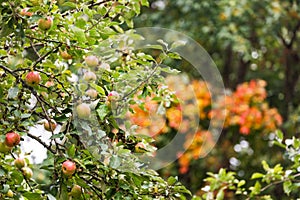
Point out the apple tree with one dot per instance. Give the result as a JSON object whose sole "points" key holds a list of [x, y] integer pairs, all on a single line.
{"points": [[71, 69]]}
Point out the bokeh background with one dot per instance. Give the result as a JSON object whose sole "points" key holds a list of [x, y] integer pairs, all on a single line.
{"points": [[255, 45]]}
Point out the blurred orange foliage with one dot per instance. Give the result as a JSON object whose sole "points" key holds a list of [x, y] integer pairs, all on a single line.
{"points": [[246, 108]]}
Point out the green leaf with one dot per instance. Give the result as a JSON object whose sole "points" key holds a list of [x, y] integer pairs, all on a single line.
{"points": [[265, 165], [159, 47], [279, 135], [241, 183], [114, 162], [102, 111], [98, 88], [145, 3], [56, 136], [169, 70], [13, 92], [79, 34], [172, 180], [255, 189], [71, 151], [220, 195], [34, 196], [69, 4], [257, 175], [287, 187]]}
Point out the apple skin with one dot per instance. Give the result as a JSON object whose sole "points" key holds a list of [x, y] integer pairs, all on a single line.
{"points": [[50, 126], [68, 168], [49, 84], [76, 191], [12, 139], [65, 55], [92, 61], [20, 163], [83, 111], [92, 93], [10, 193], [33, 78], [45, 24], [89, 76], [24, 12], [4, 148], [113, 95], [27, 172]]}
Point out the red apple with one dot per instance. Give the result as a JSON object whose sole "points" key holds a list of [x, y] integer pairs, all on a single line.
{"points": [[92, 61], [91, 93], [68, 168], [49, 84], [89, 76], [12, 139], [65, 55], [20, 163], [27, 172], [76, 191], [45, 24], [33, 78], [4, 148], [83, 111], [50, 126], [113, 95]]}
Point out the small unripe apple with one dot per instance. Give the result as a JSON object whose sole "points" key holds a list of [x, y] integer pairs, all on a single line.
{"points": [[12, 139], [10, 193], [83, 111], [45, 24], [68, 168], [49, 84], [113, 95], [27, 172], [33, 78], [91, 93], [89, 76], [20, 163], [50, 126], [92, 61], [76, 191], [65, 55], [4, 148], [105, 66]]}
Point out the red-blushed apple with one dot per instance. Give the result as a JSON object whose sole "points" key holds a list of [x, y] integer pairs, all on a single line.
{"points": [[92, 61], [83, 111], [49, 84], [76, 191], [140, 147], [113, 95], [27, 172], [45, 24], [50, 126], [89, 76], [65, 55], [10, 193], [24, 12], [68, 168], [12, 139], [33, 78], [4, 148], [20, 162], [92, 93]]}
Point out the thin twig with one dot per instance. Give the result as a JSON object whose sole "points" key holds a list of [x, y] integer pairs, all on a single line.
{"points": [[41, 142]]}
